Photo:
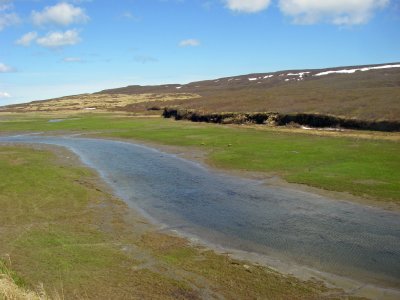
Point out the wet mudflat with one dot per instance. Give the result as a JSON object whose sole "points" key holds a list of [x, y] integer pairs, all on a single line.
{"points": [[338, 237]]}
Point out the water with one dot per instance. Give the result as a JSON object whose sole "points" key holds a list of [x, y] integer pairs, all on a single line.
{"points": [[62, 120], [337, 237]]}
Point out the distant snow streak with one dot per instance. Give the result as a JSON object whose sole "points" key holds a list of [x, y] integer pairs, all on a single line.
{"points": [[351, 71], [301, 74], [261, 77]]}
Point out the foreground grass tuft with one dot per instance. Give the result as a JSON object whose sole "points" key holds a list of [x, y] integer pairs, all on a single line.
{"points": [[12, 287], [11, 291]]}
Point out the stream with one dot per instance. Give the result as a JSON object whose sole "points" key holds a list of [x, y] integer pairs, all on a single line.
{"points": [[332, 236]]}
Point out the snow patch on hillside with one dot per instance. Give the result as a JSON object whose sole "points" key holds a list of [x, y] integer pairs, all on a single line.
{"points": [[301, 74], [351, 71]]}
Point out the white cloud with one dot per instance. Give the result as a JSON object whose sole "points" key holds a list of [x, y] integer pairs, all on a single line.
{"points": [[72, 59], [5, 5], [6, 69], [145, 59], [27, 39], [8, 19], [129, 16], [4, 95], [61, 14], [248, 6], [189, 43], [59, 39], [339, 12]]}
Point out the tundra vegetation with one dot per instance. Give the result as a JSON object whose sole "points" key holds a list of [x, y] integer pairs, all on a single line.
{"points": [[371, 95]]}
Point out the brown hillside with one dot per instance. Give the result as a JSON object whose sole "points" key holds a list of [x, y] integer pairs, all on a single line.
{"points": [[369, 94]]}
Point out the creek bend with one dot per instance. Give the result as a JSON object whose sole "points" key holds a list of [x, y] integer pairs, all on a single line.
{"points": [[338, 237]]}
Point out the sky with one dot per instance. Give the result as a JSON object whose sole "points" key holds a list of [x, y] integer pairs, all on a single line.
{"points": [[57, 48]]}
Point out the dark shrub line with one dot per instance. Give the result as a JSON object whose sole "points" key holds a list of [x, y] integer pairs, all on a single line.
{"points": [[277, 119]]}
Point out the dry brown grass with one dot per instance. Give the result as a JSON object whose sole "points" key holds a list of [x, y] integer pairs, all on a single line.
{"points": [[10, 291], [100, 102]]}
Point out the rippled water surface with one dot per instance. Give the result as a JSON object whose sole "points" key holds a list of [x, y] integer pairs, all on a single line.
{"points": [[333, 236]]}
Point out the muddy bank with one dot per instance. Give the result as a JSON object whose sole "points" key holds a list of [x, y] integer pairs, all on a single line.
{"points": [[277, 119]]}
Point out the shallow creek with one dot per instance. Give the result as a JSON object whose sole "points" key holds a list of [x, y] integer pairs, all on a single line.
{"points": [[337, 237]]}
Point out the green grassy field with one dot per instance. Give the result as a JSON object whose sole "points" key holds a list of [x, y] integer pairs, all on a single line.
{"points": [[52, 232], [61, 233], [365, 165]]}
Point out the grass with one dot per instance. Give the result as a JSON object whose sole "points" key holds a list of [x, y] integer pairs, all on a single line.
{"points": [[367, 167], [9, 290], [11, 287], [232, 275], [52, 220], [63, 236]]}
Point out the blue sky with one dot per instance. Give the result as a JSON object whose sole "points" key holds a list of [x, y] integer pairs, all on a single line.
{"points": [[55, 48]]}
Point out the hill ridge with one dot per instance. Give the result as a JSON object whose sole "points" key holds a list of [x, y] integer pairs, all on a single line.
{"points": [[366, 92]]}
